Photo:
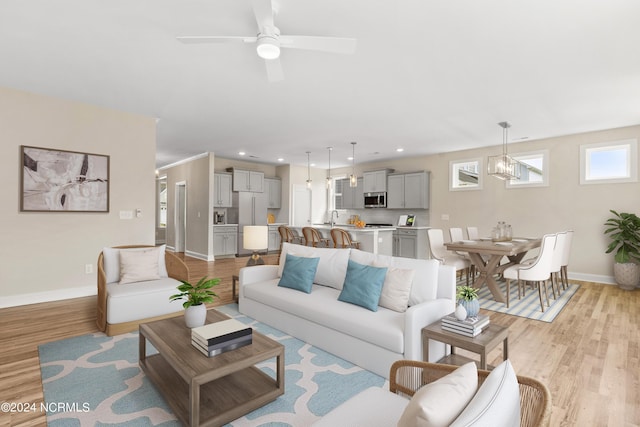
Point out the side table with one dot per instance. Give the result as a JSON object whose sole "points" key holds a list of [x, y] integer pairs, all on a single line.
{"points": [[480, 344], [234, 286]]}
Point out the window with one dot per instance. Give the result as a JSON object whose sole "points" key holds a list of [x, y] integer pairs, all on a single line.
{"points": [[609, 162], [534, 169], [465, 175]]}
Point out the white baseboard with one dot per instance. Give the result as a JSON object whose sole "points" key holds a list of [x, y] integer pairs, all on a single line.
{"points": [[48, 296], [198, 255], [607, 280]]}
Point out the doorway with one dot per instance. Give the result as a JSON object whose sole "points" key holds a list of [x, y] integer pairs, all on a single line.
{"points": [[181, 216]]}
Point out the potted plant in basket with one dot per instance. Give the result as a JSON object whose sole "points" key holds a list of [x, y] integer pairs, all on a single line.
{"points": [[196, 296], [467, 297], [624, 231]]}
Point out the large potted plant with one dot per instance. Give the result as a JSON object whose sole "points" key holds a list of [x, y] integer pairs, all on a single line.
{"points": [[196, 296], [624, 231]]}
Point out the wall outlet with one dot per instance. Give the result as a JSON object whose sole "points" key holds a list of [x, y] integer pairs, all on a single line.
{"points": [[138, 213], [88, 268], [444, 217], [126, 215]]}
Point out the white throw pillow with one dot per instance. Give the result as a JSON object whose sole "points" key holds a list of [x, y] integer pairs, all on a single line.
{"points": [[438, 403], [138, 266], [396, 288], [332, 267], [425, 279], [497, 402], [111, 262]]}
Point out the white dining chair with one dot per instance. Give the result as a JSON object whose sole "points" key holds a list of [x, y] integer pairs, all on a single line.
{"points": [[472, 233], [439, 251], [539, 271], [556, 262], [565, 259], [456, 235]]}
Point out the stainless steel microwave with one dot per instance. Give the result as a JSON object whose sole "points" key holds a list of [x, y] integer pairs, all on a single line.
{"points": [[375, 200]]}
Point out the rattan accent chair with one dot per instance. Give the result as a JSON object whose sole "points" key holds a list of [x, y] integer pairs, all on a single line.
{"points": [[407, 376], [312, 237]]}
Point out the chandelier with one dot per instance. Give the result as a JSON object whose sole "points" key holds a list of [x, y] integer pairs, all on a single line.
{"points": [[504, 166]]}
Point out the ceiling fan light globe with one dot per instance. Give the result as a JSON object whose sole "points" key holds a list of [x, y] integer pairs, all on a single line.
{"points": [[268, 48]]}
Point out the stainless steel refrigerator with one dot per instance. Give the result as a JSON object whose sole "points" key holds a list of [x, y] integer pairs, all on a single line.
{"points": [[252, 210]]}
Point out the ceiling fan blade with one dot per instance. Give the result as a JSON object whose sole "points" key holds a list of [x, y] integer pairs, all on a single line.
{"points": [[323, 44], [215, 39], [263, 10], [274, 70]]}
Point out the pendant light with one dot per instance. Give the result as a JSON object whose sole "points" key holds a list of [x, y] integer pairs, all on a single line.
{"points": [[504, 166], [329, 170], [308, 170], [353, 179]]}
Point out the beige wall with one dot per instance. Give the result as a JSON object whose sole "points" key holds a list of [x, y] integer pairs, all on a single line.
{"points": [[44, 254], [564, 204], [197, 176]]}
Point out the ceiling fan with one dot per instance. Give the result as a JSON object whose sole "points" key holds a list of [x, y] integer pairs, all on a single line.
{"points": [[269, 40]]}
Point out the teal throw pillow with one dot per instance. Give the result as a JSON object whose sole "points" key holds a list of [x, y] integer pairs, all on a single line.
{"points": [[363, 285], [298, 273]]}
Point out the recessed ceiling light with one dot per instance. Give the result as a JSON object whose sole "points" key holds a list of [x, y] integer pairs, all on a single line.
{"points": [[399, 150], [349, 158], [280, 159], [241, 153], [312, 164]]}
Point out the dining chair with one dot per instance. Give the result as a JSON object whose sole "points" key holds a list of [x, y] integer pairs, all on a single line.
{"points": [[342, 239], [472, 233], [456, 236], [556, 262], [539, 271], [312, 237], [446, 257], [565, 259]]}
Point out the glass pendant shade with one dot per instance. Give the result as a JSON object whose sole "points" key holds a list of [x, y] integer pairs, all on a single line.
{"points": [[353, 179], [329, 169], [308, 170], [503, 166]]}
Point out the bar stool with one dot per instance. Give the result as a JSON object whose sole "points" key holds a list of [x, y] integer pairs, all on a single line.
{"points": [[312, 237], [287, 235], [342, 239]]}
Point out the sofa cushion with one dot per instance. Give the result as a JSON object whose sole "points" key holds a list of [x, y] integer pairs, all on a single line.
{"points": [[111, 262], [396, 288], [497, 402], [363, 285], [438, 403], [298, 273], [372, 407], [332, 267], [385, 328], [138, 266]]}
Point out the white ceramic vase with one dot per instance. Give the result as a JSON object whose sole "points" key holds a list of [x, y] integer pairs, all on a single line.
{"points": [[461, 312], [195, 315]]}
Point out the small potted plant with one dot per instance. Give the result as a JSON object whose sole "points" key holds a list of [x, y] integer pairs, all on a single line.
{"points": [[624, 231], [196, 296], [467, 297]]}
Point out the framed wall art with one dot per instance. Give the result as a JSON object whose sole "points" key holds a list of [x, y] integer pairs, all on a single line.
{"points": [[63, 181]]}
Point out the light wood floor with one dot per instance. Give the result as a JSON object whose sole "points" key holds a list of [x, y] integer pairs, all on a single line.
{"points": [[589, 356]]}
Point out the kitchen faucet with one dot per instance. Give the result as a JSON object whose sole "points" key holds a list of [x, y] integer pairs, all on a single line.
{"points": [[332, 222]]}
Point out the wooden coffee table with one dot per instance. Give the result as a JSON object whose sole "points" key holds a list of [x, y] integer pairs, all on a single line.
{"points": [[487, 340], [209, 391]]}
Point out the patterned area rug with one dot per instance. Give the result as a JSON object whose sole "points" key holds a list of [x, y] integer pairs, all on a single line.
{"points": [[529, 305], [94, 380]]}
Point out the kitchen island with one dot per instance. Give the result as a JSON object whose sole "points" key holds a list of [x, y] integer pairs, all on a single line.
{"points": [[378, 240]]}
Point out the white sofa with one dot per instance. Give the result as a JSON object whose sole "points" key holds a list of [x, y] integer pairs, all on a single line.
{"points": [[121, 307], [372, 340]]}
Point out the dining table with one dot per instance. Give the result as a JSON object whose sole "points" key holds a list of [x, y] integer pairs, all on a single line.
{"points": [[486, 254]]}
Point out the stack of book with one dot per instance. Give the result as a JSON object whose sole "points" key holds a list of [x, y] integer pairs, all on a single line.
{"points": [[218, 337], [470, 327]]}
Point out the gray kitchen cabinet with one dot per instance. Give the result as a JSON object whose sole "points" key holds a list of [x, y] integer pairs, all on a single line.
{"points": [[408, 191], [410, 243], [244, 180], [273, 188], [222, 190], [274, 238], [352, 198], [225, 240], [375, 181]]}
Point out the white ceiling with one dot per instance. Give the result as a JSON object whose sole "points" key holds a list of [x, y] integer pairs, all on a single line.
{"points": [[428, 76]]}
